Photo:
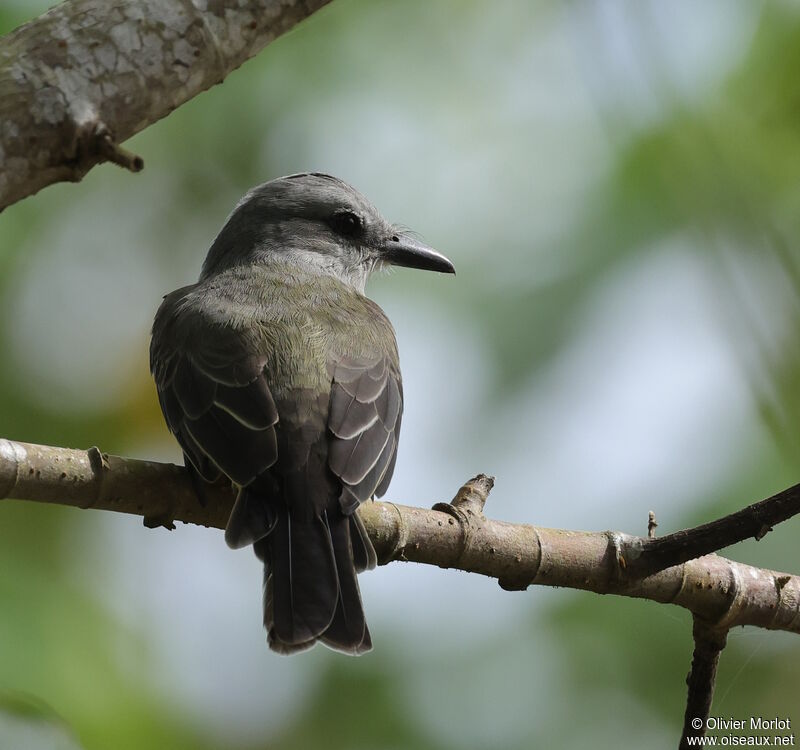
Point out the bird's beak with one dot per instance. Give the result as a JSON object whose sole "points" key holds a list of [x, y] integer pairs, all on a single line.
{"points": [[402, 250]]}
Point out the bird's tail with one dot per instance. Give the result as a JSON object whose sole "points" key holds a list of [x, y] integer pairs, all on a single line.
{"points": [[310, 586]]}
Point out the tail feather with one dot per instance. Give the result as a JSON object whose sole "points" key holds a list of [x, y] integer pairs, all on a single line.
{"points": [[251, 519], [311, 589], [364, 556], [274, 643], [348, 630], [261, 548], [304, 582]]}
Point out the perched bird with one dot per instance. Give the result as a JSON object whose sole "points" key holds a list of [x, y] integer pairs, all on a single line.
{"points": [[276, 372]]}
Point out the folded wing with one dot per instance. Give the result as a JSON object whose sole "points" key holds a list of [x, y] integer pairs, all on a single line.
{"points": [[366, 405]]}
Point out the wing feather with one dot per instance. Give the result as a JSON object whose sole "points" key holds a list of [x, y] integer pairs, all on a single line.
{"points": [[364, 423], [217, 402]]}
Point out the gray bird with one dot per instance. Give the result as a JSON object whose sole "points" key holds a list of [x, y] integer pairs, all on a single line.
{"points": [[276, 372]]}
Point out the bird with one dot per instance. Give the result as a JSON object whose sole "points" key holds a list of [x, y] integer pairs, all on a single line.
{"points": [[277, 374]]}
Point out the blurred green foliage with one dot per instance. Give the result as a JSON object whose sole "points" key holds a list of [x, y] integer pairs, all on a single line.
{"points": [[545, 180]]}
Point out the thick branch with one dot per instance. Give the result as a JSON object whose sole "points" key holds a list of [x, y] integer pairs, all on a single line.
{"points": [[721, 592], [88, 74]]}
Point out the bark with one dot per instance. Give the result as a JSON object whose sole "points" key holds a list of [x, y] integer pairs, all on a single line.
{"points": [[88, 74], [720, 592]]}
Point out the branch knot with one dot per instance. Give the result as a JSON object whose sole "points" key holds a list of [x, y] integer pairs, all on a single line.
{"points": [[467, 508]]}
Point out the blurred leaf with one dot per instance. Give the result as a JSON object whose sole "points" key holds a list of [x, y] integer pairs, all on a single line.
{"points": [[355, 706]]}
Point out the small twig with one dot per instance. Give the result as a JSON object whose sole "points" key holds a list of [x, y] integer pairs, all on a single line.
{"points": [[754, 521], [470, 498], [111, 151], [94, 142], [651, 525], [708, 644]]}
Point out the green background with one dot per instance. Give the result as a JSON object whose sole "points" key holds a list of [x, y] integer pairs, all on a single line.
{"points": [[618, 185]]}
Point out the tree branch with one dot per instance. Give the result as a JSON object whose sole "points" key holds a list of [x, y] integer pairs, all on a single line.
{"points": [[87, 75], [708, 644], [754, 521], [721, 592]]}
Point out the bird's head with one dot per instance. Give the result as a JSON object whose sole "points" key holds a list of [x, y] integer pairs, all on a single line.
{"points": [[318, 224]]}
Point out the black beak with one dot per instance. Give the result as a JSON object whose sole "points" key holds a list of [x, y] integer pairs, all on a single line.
{"points": [[402, 250]]}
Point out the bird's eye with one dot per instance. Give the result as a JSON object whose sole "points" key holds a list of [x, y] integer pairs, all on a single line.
{"points": [[346, 223]]}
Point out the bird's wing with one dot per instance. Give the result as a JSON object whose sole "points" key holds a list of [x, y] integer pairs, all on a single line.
{"points": [[366, 405], [216, 401]]}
